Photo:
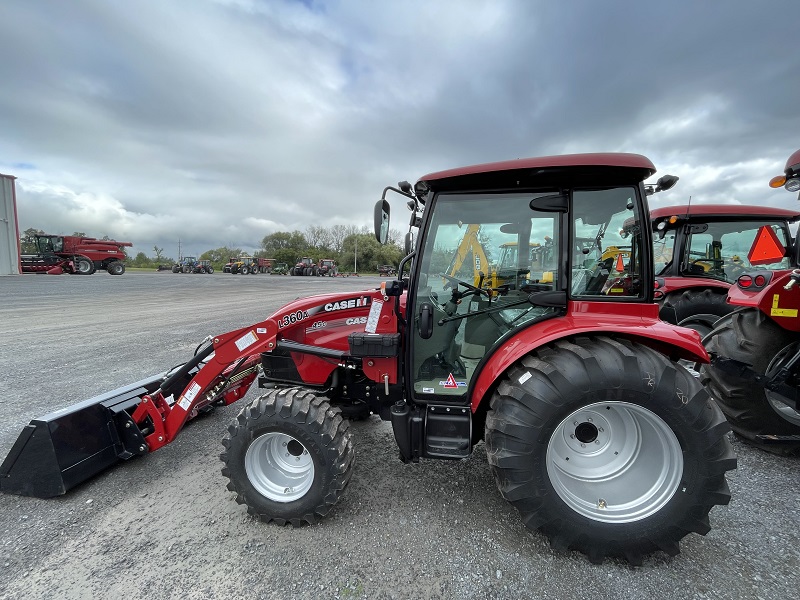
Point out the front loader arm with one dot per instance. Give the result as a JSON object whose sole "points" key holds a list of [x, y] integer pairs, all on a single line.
{"points": [[226, 368], [64, 448]]}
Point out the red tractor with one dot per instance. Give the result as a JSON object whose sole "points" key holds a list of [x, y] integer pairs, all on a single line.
{"points": [[593, 430], [327, 267], [305, 266], [74, 254], [700, 250], [755, 373]]}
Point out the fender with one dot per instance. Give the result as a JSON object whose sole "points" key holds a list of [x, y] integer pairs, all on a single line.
{"points": [[674, 284], [777, 303], [638, 322]]}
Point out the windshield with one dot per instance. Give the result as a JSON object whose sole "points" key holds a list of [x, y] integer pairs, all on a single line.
{"points": [[719, 250]]}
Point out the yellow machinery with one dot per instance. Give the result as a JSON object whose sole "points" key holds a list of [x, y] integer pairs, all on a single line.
{"points": [[507, 270]]}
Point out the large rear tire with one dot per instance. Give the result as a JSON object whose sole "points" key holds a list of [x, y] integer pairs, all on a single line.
{"points": [[115, 268], [749, 336], [608, 448], [289, 457], [682, 305]]}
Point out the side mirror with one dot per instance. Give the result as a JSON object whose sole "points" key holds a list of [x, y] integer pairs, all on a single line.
{"points": [[666, 182], [409, 245], [382, 211]]}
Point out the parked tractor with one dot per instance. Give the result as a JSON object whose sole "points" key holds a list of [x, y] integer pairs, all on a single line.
{"points": [[280, 269], [203, 266], [305, 266], [700, 250], [326, 267], [246, 265], [755, 373], [73, 254], [387, 270], [187, 264], [593, 431]]}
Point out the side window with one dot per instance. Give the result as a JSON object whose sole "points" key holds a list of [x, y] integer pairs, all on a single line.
{"points": [[605, 257]]}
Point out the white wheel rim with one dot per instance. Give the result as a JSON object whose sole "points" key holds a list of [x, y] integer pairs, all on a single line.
{"points": [[279, 467], [614, 462]]}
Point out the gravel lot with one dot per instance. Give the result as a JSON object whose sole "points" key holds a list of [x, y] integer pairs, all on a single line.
{"points": [[164, 526]]}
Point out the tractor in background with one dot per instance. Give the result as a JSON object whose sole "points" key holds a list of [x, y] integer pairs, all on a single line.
{"points": [[305, 267], [203, 266], [701, 249], [754, 374], [186, 264], [326, 267]]}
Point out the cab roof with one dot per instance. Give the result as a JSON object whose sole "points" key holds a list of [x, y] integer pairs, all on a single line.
{"points": [[566, 170], [793, 164], [743, 212]]}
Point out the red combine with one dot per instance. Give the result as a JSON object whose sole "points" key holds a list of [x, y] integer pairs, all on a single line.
{"points": [[755, 374], [593, 431], [71, 254]]}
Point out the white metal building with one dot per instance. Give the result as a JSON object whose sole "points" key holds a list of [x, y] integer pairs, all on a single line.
{"points": [[9, 230]]}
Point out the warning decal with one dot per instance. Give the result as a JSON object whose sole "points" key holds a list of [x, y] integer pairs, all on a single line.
{"points": [[775, 311], [767, 248]]}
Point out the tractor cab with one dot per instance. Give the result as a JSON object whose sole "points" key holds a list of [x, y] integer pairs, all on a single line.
{"points": [[573, 228]]}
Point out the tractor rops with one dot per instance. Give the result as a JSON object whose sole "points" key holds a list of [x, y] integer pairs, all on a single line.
{"points": [[593, 430]]}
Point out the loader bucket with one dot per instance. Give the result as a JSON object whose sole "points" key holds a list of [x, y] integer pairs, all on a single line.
{"points": [[58, 451]]}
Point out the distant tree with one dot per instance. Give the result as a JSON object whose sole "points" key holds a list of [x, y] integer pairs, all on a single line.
{"points": [[320, 238], [78, 234], [27, 242], [159, 253], [140, 260]]}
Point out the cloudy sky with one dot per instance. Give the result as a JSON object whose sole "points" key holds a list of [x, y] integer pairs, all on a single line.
{"points": [[218, 122]]}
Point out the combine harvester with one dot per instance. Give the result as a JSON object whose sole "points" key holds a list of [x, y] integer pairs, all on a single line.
{"points": [[593, 431], [73, 254]]}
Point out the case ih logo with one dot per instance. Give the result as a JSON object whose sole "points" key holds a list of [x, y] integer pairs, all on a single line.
{"points": [[345, 304]]}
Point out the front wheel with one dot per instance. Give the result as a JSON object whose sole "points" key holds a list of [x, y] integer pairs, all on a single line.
{"points": [[608, 448], [83, 266], [289, 457]]}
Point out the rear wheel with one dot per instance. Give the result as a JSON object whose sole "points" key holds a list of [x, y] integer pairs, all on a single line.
{"points": [[209, 270], [698, 305], [749, 336], [289, 456], [608, 448], [116, 268]]}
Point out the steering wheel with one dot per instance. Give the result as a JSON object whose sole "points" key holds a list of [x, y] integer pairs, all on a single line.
{"points": [[454, 283]]}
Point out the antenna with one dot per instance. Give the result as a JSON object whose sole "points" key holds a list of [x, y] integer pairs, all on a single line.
{"points": [[689, 206]]}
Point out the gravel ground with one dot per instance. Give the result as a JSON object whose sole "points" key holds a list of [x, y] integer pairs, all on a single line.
{"points": [[164, 526]]}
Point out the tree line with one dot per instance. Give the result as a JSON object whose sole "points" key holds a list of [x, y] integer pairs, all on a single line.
{"points": [[353, 247]]}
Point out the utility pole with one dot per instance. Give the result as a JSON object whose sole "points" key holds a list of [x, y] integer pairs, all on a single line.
{"points": [[179, 250], [355, 258]]}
